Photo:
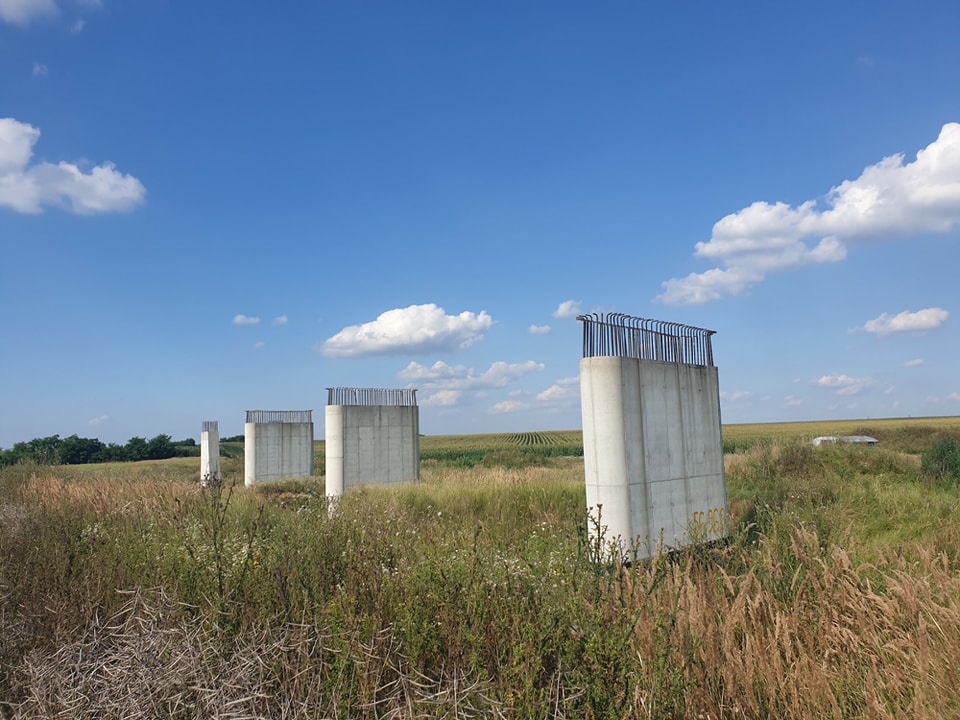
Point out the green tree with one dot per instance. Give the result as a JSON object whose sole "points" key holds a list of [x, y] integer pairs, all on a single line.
{"points": [[160, 447], [136, 449], [78, 451]]}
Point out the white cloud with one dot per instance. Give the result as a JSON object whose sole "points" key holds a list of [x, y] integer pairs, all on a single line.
{"points": [[889, 199], [442, 398], [843, 384], [539, 329], [98, 420], [458, 377], [698, 288], [280, 320], [555, 392], [508, 406], [954, 396], [917, 362], [793, 401], [16, 146], [39, 69], [78, 26], [259, 345], [245, 320], [928, 319], [21, 12], [439, 370], [568, 309], [28, 188], [736, 395], [408, 331], [562, 389]]}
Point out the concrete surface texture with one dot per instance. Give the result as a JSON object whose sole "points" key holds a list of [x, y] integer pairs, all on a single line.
{"points": [[371, 444], [653, 452], [277, 444]]}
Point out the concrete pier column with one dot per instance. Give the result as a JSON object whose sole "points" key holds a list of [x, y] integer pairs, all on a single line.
{"points": [[249, 454], [372, 437], [652, 445], [333, 441], [210, 454], [277, 444]]}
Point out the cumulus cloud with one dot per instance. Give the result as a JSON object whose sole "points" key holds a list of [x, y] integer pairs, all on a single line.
{"points": [[39, 69], [916, 362], [508, 406], [920, 321], [843, 384], [280, 320], [442, 398], [793, 401], [245, 320], [22, 12], [27, 188], [539, 329], [889, 199], [98, 420], [562, 389], [409, 331], [568, 309], [458, 377]]}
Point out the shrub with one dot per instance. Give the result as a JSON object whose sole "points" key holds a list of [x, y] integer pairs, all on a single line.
{"points": [[941, 462]]}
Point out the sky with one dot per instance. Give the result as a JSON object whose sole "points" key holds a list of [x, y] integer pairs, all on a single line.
{"points": [[209, 208]]}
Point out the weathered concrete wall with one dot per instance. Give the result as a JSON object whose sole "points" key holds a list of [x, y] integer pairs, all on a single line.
{"points": [[277, 450], [371, 444], [653, 452]]}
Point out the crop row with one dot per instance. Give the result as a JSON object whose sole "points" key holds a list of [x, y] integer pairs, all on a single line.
{"points": [[562, 437]]}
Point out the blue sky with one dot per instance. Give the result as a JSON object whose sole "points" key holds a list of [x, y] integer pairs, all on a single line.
{"points": [[210, 208]]}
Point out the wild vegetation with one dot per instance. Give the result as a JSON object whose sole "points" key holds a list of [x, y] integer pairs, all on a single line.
{"points": [[127, 591], [74, 450]]}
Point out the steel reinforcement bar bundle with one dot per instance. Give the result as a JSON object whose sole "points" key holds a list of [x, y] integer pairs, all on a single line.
{"points": [[262, 417], [619, 335], [372, 396]]}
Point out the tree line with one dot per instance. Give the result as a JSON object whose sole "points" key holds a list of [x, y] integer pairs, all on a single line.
{"points": [[74, 450]]}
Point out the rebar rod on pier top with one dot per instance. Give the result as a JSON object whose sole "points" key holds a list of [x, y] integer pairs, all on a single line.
{"points": [[211, 426], [619, 335], [260, 417], [405, 397]]}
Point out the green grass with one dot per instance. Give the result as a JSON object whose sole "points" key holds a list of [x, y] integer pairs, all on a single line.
{"points": [[909, 434], [127, 591]]}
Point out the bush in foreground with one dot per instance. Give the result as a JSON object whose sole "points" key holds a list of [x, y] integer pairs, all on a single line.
{"points": [[941, 462]]}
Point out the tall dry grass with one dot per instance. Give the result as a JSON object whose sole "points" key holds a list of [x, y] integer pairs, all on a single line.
{"points": [[476, 594]]}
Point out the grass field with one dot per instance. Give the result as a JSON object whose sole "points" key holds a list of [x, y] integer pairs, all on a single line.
{"points": [[909, 434], [127, 591]]}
